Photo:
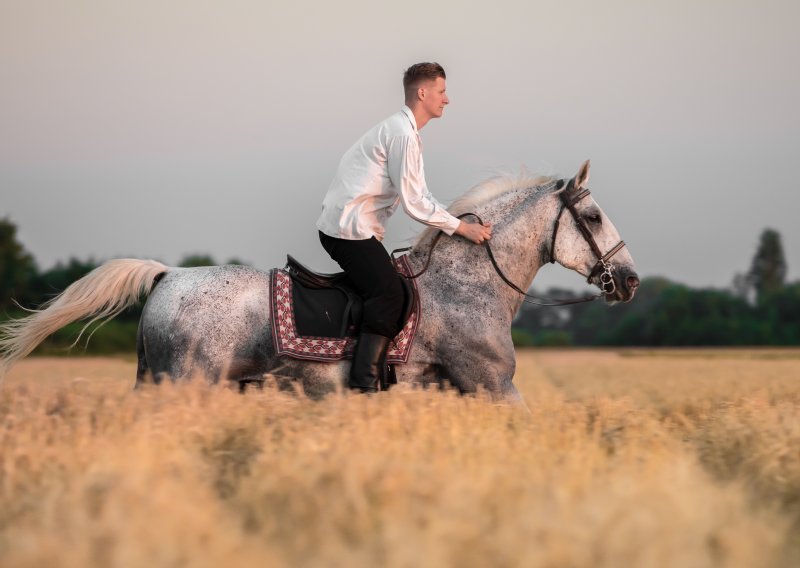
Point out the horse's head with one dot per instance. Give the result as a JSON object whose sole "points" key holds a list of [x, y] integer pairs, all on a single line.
{"points": [[586, 241]]}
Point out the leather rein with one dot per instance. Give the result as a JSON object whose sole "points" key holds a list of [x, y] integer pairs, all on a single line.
{"points": [[607, 284]]}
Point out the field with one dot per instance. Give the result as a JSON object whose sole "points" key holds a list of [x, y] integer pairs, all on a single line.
{"points": [[627, 458]]}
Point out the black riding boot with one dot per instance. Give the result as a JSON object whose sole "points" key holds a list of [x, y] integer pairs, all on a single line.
{"points": [[369, 362]]}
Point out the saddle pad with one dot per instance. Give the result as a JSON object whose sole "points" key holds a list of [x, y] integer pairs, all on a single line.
{"points": [[312, 348], [321, 312]]}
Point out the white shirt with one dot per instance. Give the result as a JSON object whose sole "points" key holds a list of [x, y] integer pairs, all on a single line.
{"points": [[382, 169]]}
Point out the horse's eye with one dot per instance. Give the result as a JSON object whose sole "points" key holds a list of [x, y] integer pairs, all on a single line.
{"points": [[594, 218]]}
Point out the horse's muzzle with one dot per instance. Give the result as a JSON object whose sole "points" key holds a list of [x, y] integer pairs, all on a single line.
{"points": [[626, 283]]}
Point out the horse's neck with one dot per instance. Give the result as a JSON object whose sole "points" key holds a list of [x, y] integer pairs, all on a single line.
{"points": [[522, 227]]}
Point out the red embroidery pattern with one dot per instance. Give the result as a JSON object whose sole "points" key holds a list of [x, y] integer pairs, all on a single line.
{"points": [[288, 342]]}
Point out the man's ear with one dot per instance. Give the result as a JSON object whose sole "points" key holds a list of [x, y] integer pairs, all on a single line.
{"points": [[421, 93]]}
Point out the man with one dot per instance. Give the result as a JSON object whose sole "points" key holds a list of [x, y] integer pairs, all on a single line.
{"points": [[382, 169]]}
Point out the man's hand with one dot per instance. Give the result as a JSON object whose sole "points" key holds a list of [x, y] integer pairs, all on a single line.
{"points": [[475, 232]]}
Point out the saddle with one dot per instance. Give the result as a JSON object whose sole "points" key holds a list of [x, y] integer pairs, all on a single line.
{"points": [[327, 305]]}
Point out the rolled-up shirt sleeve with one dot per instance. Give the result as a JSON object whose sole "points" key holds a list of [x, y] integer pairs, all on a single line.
{"points": [[407, 175]]}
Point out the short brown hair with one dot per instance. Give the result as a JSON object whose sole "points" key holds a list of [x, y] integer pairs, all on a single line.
{"points": [[419, 72]]}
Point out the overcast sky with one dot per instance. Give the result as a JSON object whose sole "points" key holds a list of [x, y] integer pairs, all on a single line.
{"points": [[155, 129]]}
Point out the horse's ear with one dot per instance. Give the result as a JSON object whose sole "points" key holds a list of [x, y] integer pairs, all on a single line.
{"points": [[582, 179]]}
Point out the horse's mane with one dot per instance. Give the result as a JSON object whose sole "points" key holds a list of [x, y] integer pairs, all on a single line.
{"points": [[486, 191]]}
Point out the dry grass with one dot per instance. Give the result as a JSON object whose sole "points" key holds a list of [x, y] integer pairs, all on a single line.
{"points": [[682, 459]]}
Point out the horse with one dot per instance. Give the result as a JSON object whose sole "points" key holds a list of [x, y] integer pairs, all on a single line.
{"points": [[215, 321]]}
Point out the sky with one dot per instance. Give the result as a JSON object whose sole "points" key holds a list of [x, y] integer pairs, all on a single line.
{"points": [[156, 129]]}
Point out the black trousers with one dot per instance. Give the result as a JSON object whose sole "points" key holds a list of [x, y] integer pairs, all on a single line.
{"points": [[370, 268]]}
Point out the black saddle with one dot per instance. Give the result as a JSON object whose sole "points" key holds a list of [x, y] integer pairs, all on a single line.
{"points": [[327, 305]]}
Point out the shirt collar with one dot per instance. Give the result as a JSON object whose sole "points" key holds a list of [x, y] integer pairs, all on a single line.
{"points": [[410, 115]]}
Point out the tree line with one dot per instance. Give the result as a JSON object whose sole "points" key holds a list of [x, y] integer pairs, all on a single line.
{"points": [[759, 308]]}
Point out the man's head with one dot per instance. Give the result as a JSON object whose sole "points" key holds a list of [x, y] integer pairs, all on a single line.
{"points": [[425, 89]]}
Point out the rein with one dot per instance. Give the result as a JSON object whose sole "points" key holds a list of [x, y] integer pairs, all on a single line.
{"points": [[606, 278]]}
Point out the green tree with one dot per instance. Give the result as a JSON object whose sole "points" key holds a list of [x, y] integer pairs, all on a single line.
{"points": [[783, 311], [194, 260], [768, 270], [17, 266], [55, 280]]}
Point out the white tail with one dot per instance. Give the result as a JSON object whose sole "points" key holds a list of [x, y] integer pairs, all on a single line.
{"points": [[101, 294]]}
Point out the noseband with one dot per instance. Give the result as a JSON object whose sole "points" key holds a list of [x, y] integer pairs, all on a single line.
{"points": [[607, 284]]}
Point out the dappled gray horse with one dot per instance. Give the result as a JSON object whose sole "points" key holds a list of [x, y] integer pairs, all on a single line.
{"points": [[215, 320]]}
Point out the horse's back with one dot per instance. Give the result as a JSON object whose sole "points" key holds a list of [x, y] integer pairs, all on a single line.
{"points": [[208, 320]]}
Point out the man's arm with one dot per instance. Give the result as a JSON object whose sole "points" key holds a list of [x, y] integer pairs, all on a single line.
{"points": [[405, 172]]}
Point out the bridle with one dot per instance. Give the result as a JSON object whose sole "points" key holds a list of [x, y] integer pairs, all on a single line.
{"points": [[607, 284]]}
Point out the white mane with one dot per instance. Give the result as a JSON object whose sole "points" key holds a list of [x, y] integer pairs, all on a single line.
{"points": [[486, 191], [495, 187]]}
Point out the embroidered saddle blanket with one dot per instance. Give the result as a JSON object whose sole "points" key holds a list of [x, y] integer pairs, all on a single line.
{"points": [[294, 337]]}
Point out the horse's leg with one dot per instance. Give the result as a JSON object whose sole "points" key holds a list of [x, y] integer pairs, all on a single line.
{"points": [[513, 396], [483, 362], [143, 373], [315, 379], [418, 373]]}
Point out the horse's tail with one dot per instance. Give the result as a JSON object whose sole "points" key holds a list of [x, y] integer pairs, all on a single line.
{"points": [[102, 294]]}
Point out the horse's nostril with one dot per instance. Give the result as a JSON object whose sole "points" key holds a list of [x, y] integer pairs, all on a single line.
{"points": [[632, 282]]}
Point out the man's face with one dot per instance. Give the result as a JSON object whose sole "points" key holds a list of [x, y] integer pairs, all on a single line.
{"points": [[435, 97]]}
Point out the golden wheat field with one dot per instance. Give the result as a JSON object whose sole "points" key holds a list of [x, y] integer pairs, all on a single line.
{"points": [[627, 458]]}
